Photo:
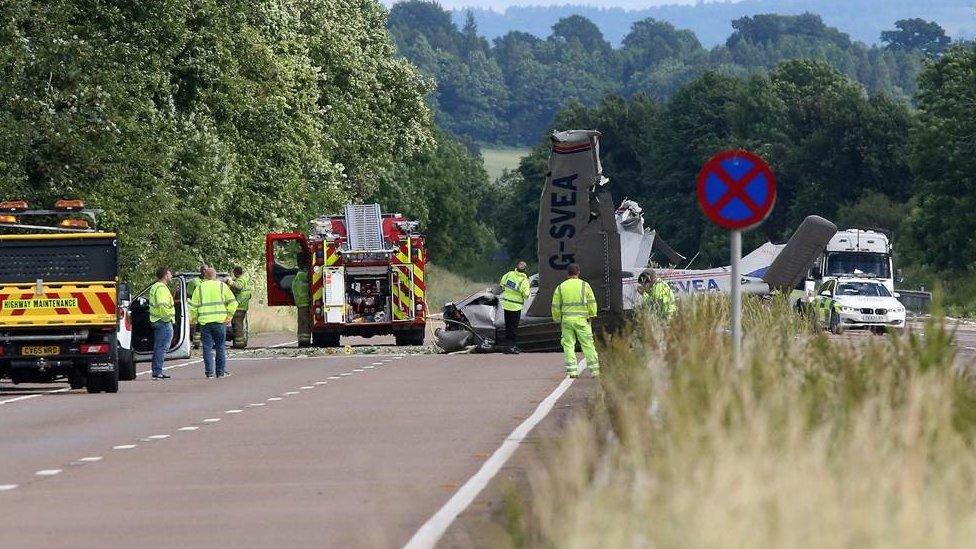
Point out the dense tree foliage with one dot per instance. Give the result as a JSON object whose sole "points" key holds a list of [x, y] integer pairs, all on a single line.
{"points": [[835, 149], [944, 161], [199, 126], [918, 35], [510, 91]]}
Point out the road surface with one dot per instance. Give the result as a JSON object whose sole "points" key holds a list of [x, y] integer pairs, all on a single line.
{"points": [[348, 451]]}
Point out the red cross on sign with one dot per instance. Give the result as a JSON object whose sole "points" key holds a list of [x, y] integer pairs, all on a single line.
{"points": [[736, 189]]}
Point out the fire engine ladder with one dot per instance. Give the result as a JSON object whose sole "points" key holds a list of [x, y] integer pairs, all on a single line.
{"points": [[364, 223]]}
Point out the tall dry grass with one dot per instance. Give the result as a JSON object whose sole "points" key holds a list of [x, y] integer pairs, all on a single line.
{"points": [[262, 318], [814, 443]]}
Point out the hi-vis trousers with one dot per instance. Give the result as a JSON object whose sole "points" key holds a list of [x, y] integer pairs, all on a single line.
{"points": [[578, 329]]}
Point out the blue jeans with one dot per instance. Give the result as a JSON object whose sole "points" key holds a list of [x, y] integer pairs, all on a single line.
{"points": [[213, 337], [162, 338]]}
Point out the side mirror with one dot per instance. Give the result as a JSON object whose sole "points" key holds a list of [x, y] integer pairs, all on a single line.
{"points": [[897, 294], [825, 293], [125, 295]]}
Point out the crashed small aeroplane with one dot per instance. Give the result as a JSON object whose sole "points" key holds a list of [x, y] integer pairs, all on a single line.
{"points": [[578, 224]]}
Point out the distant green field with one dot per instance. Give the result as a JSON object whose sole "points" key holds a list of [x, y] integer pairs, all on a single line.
{"points": [[500, 159]]}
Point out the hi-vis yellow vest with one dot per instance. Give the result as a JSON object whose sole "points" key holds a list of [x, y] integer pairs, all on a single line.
{"points": [[573, 298], [212, 302]]}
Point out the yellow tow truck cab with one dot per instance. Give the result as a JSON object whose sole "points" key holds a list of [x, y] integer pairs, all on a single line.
{"points": [[59, 299]]}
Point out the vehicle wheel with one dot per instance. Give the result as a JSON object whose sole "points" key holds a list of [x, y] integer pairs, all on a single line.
{"points": [[835, 327], [409, 338], [127, 365], [76, 379], [325, 339]]}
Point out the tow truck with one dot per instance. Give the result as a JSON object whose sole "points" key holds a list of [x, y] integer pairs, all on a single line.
{"points": [[59, 299]]}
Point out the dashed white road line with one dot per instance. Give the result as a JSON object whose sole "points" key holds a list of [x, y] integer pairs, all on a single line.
{"points": [[334, 377], [91, 459], [377, 364], [188, 428], [35, 395], [157, 437], [48, 472], [211, 420], [346, 374], [255, 404], [307, 387], [321, 382], [274, 399], [7, 487], [124, 447], [233, 411], [431, 532]]}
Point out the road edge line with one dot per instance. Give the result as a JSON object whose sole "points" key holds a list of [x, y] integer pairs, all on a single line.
{"points": [[436, 526]]}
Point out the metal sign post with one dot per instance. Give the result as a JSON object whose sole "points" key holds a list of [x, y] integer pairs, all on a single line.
{"points": [[736, 290], [736, 190]]}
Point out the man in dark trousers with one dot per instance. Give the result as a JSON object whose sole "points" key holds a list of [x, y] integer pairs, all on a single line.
{"points": [[515, 290]]}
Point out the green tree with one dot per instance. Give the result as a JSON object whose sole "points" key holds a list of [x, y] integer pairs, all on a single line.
{"points": [[944, 161], [917, 35]]}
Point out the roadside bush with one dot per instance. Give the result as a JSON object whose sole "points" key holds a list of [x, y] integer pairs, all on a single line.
{"points": [[816, 442]]}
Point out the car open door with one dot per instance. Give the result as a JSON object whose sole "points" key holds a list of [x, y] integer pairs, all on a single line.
{"points": [[142, 332], [281, 259]]}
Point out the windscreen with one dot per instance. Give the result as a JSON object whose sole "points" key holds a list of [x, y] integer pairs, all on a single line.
{"points": [[858, 263], [867, 289], [69, 260]]}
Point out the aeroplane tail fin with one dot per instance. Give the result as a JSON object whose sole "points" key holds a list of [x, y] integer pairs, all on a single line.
{"points": [[792, 263], [577, 224]]}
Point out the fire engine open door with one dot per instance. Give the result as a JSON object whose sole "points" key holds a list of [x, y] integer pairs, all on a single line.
{"points": [[334, 294], [401, 289], [282, 254]]}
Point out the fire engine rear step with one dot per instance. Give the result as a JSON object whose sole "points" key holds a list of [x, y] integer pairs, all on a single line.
{"points": [[365, 225]]}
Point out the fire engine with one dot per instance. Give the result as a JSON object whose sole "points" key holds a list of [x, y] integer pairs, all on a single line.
{"points": [[366, 273]]}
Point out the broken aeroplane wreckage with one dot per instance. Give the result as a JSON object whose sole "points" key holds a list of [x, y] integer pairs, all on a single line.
{"points": [[578, 224]]}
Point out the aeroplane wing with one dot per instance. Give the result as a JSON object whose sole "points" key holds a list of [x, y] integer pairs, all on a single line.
{"points": [[792, 263], [576, 223]]}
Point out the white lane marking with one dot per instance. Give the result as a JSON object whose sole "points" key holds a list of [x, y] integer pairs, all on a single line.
{"points": [[187, 428], [307, 387], [157, 437], [377, 364], [66, 389], [431, 532], [25, 397], [91, 459], [369, 367], [359, 370], [321, 382], [7, 487], [124, 447], [346, 374], [255, 404], [289, 393], [397, 358], [211, 420], [273, 399], [47, 472], [233, 411], [199, 360], [334, 377]]}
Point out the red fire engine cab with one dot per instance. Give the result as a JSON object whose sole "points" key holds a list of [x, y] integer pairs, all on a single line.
{"points": [[365, 272]]}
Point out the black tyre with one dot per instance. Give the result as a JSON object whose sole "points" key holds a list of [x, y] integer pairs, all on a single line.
{"points": [[835, 327], [76, 379], [325, 339], [127, 365], [410, 338]]}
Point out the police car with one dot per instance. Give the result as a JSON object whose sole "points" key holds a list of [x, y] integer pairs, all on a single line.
{"points": [[858, 303]]}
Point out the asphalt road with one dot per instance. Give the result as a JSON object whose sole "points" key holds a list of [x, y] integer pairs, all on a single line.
{"points": [[347, 451]]}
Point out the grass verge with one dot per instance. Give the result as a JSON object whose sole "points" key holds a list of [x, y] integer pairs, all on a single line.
{"points": [[499, 159], [814, 443]]}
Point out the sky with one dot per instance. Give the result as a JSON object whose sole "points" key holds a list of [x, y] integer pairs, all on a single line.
{"points": [[500, 5]]}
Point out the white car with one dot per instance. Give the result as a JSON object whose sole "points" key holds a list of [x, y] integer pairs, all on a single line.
{"points": [[858, 303]]}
